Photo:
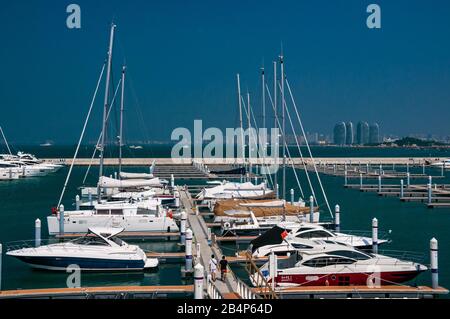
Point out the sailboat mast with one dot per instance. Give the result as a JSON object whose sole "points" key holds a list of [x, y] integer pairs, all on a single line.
{"points": [[240, 118], [6, 141], [263, 86], [249, 133], [284, 124], [276, 120], [105, 108], [121, 119]]}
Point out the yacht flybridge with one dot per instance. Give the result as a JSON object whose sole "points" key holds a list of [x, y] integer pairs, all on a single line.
{"points": [[326, 264], [98, 250]]}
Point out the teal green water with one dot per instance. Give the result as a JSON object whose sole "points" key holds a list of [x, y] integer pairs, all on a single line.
{"points": [[22, 201]]}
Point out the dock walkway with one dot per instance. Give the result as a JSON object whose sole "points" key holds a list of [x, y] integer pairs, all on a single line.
{"points": [[200, 231]]}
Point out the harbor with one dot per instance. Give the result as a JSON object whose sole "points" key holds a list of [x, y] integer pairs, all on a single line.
{"points": [[177, 154]]}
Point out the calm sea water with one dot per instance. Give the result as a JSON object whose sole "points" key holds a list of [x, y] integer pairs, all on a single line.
{"points": [[412, 225]]}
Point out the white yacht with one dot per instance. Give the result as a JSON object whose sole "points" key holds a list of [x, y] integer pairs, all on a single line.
{"points": [[445, 163], [132, 216], [283, 241], [98, 250], [327, 264], [228, 190]]}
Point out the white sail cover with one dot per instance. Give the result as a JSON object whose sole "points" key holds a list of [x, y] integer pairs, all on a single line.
{"points": [[234, 190], [134, 195], [124, 175], [107, 182]]}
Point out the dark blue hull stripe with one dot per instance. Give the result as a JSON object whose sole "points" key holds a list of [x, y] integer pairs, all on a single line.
{"points": [[83, 263]]}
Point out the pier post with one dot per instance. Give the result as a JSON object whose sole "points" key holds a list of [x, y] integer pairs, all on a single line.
{"points": [[188, 251], [430, 193], [61, 219], [37, 232], [176, 194], [423, 169], [183, 228], [311, 209], [442, 169], [172, 181], [1, 255], [430, 180], [277, 191], [273, 265], [408, 180], [375, 236], [402, 187], [360, 180], [199, 273], [379, 183], [292, 196], [115, 175], [434, 263], [367, 168], [334, 168], [256, 180], [381, 169], [337, 218], [77, 202], [407, 167], [345, 177]]}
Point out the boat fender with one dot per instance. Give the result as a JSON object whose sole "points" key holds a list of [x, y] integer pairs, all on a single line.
{"points": [[54, 211], [170, 214]]}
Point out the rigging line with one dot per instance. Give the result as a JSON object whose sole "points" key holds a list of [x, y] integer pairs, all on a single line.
{"points": [[81, 137], [300, 151], [263, 158], [254, 138], [258, 151], [6, 141], [101, 133], [309, 149], [287, 148]]}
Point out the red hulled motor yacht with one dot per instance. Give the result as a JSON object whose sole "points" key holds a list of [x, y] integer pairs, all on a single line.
{"points": [[339, 265]]}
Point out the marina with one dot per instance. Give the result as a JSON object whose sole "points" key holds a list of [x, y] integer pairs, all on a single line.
{"points": [[145, 201]]}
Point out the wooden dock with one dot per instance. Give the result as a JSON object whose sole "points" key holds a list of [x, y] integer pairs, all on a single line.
{"points": [[344, 292], [113, 292]]}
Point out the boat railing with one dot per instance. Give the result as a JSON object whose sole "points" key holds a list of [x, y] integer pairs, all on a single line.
{"points": [[404, 256], [384, 235], [21, 244]]}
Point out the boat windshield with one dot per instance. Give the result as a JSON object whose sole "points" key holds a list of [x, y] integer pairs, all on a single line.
{"points": [[117, 240], [90, 241]]}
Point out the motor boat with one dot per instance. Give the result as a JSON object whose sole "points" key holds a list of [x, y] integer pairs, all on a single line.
{"points": [[328, 264], [99, 250], [445, 163], [132, 216], [284, 241], [256, 227], [30, 159]]}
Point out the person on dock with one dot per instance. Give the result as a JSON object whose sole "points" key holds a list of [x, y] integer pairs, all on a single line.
{"points": [[213, 267], [223, 268]]}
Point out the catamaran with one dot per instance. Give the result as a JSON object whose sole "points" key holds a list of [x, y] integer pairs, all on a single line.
{"points": [[99, 250]]}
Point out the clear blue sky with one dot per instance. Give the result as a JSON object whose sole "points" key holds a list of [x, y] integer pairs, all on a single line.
{"points": [[183, 57]]}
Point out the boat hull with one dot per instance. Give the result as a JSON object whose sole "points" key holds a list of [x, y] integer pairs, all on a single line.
{"points": [[85, 264], [345, 279], [81, 224]]}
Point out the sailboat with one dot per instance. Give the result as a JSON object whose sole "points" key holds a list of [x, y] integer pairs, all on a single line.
{"points": [[132, 214]]}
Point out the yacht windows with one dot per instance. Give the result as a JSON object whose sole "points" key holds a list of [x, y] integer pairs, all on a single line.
{"points": [[116, 212], [117, 240], [102, 211], [91, 241], [314, 234], [328, 261], [300, 246], [351, 254]]}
